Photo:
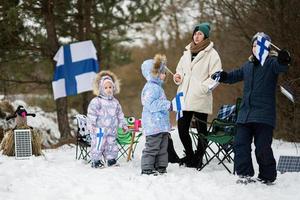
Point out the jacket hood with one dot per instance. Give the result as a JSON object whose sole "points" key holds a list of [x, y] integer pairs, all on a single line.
{"points": [[152, 68], [99, 76], [147, 68]]}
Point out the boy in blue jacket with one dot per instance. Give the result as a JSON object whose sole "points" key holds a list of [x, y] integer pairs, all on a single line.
{"points": [[155, 117], [257, 115]]}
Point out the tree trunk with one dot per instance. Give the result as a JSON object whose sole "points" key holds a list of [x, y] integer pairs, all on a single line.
{"points": [[62, 117], [61, 103], [84, 32]]}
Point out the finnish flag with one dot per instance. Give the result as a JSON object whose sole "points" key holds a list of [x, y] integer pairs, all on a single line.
{"points": [[178, 105], [76, 67], [262, 49], [99, 134]]}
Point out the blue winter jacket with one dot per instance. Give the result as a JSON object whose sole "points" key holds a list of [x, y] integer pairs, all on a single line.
{"points": [[259, 100], [155, 115]]}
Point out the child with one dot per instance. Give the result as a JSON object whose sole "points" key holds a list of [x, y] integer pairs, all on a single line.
{"points": [[257, 115], [155, 117], [104, 117]]}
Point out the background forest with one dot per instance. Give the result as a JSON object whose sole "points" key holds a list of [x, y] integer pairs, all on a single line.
{"points": [[126, 32]]}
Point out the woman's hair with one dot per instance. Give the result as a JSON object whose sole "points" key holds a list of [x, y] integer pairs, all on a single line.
{"points": [[160, 61]]}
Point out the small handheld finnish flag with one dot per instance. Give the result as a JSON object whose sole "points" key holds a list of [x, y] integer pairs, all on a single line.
{"points": [[99, 138], [287, 92], [262, 49], [215, 82], [75, 69], [178, 105]]}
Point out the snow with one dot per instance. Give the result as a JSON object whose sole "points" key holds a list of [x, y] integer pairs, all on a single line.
{"points": [[57, 175]]}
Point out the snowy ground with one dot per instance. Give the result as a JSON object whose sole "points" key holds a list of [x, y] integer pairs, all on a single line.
{"points": [[58, 175]]}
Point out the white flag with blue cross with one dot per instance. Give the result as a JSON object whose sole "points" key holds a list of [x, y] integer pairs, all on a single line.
{"points": [[76, 67], [178, 105], [262, 49], [99, 134]]}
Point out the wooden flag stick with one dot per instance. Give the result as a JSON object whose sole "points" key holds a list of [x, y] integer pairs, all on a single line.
{"points": [[169, 70], [275, 46]]}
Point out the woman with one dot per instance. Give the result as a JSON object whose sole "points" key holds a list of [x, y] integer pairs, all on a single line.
{"points": [[199, 61]]}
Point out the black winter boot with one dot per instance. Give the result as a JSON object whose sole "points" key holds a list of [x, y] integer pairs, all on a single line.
{"points": [[188, 160], [172, 155], [182, 160]]}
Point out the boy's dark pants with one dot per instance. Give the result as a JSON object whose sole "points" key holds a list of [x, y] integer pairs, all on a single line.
{"points": [[262, 134], [155, 153]]}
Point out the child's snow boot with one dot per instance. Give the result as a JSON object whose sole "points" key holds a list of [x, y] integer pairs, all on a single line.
{"points": [[97, 164], [149, 172], [112, 162], [161, 170]]}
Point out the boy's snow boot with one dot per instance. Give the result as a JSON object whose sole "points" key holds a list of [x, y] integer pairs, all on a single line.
{"points": [[149, 172], [266, 182], [245, 180], [97, 164]]}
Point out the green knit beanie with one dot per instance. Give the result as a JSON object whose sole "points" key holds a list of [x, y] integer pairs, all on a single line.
{"points": [[204, 28]]}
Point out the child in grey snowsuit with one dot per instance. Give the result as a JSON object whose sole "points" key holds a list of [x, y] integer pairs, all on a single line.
{"points": [[155, 117], [105, 116]]}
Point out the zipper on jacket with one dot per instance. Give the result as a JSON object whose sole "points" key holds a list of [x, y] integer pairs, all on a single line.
{"points": [[251, 88]]}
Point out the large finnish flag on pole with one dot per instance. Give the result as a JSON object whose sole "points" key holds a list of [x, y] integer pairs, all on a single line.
{"points": [[76, 67], [262, 49]]}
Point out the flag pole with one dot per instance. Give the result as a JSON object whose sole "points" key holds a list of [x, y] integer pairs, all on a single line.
{"points": [[275, 46], [169, 70]]}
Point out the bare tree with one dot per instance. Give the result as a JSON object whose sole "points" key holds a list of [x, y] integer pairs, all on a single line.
{"points": [[281, 20]]}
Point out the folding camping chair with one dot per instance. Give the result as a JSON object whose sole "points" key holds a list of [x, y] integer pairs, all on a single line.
{"points": [[291, 89], [220, 134], [128, 141], [194, 134], [83, 138]]}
